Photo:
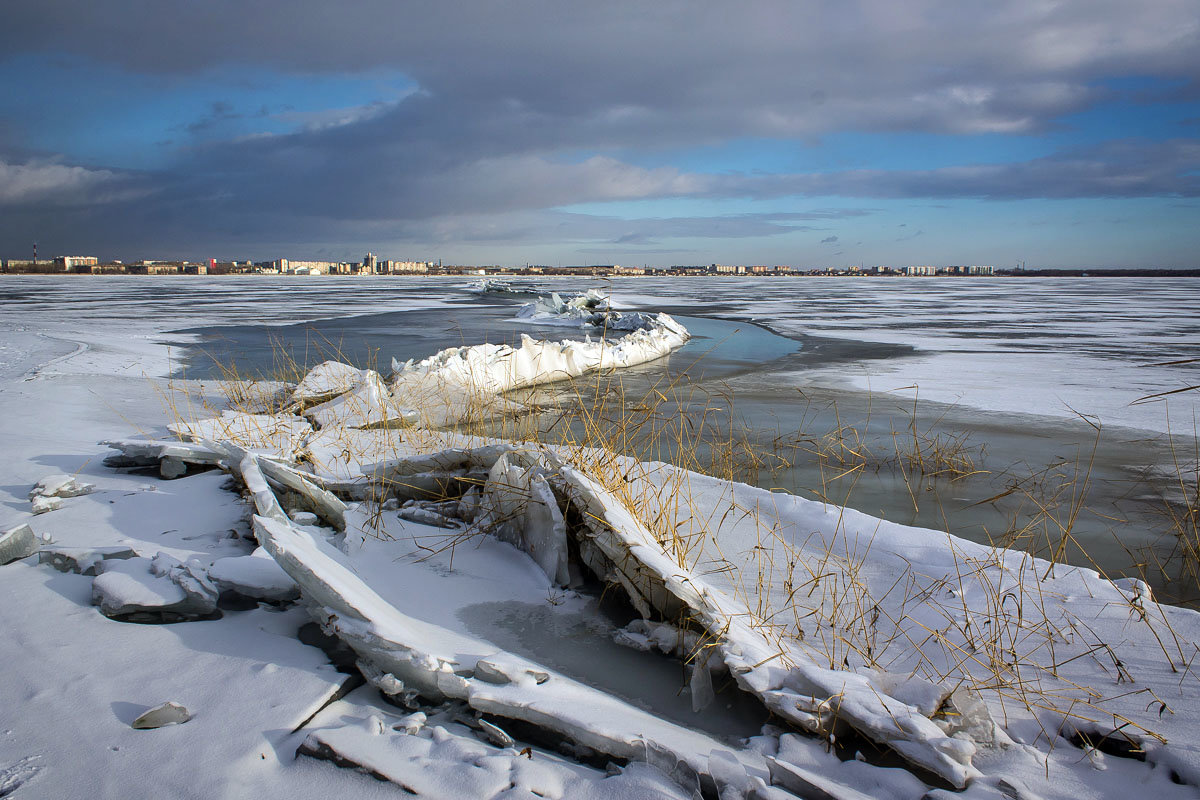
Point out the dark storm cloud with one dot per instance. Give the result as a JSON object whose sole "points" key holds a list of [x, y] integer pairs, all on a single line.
{"points": [[300, 189], [763, 68], [1131, 168], [529, 105]]}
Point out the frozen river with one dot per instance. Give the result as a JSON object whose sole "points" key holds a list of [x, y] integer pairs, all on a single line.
{"points": [[1012, 375]]}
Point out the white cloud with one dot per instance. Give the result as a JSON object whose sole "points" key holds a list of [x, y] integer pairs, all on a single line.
{"points": [[50, 182]]}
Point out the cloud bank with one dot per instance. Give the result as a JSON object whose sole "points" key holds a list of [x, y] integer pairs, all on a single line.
{"points": [[527, 107]]}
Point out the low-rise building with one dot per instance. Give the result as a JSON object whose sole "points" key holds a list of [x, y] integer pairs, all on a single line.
{"points": [[405, 267], [75, 263]]}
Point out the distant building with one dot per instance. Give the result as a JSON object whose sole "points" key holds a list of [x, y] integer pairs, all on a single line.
{"points": [[28, 265], [588, 269], [73, 263], [924, 269], [154, 268], [291, 266], [405, 267]]}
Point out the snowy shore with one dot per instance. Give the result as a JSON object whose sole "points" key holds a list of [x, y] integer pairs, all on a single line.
{"points": [[898, 622]]}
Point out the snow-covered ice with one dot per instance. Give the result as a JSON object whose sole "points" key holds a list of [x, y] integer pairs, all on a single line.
{"points": [[977, 667]]}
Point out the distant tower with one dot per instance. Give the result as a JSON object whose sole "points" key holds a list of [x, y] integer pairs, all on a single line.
{"points": [[35, 254], [369, 263]]}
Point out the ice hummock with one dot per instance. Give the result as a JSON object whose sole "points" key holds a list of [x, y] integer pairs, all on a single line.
{"points": [[590, 309]]}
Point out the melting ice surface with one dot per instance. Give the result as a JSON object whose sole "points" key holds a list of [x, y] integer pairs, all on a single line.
{"points": [[721, 343], [580, 644], [719, 347]]}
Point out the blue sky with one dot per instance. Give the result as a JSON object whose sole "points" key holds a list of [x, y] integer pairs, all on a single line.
{"points": [[1062, 134]]}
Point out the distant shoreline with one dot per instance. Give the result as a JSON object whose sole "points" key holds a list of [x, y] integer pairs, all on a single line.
{"points": [[477, 272]]}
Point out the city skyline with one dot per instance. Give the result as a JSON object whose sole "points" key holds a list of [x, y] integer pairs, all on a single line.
{"points": [[1060, 134]]}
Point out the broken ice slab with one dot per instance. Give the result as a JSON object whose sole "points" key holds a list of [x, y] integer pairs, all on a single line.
{"points": [[427, 516], [42, 505], [159, 589], [171, 468], [433, 660], [17, 543], [325, 380], [59, 486], [518, 505], [256, 576], [323, 503], [782, 674], [162, 716], [367, 404], [280, 434], [448, 761], [148, 453], [82, 560], [808, 784]]}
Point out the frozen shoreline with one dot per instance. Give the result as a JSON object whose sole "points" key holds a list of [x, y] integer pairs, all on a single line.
{"points": [[96, 393]]}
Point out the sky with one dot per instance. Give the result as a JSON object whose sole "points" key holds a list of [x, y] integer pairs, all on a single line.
{"points": [[1058, 133]]}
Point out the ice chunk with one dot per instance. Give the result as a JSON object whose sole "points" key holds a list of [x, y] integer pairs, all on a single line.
{"points": [[324, 381], [41, 505], [520, 507], [59, 486], [700, 684], [494, 734], [256, 576], [367, 403], [411, 723], [17, 543], [324, 504], [161, 588], [806, 783], [426, 516], [161, 716], [82, 560], [170, 468]]}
